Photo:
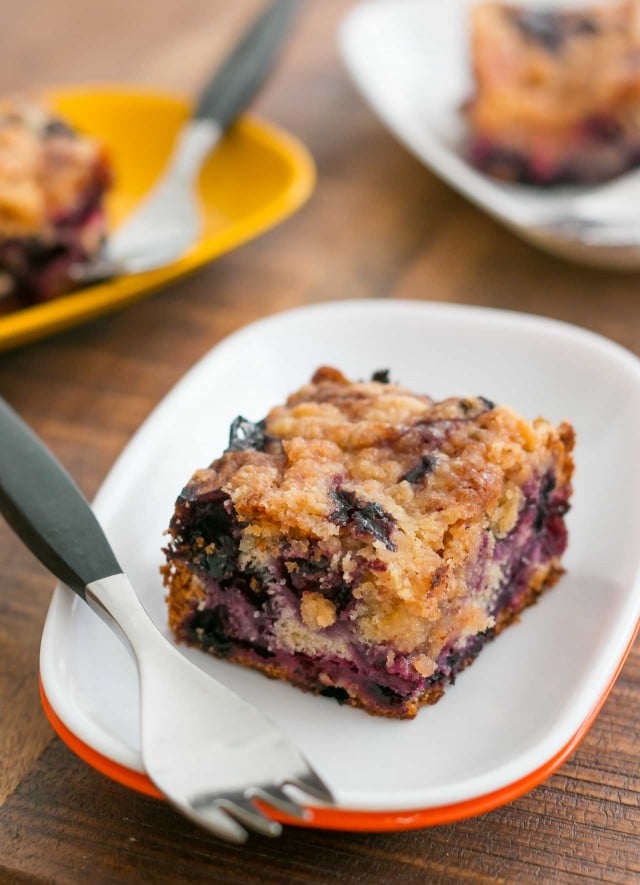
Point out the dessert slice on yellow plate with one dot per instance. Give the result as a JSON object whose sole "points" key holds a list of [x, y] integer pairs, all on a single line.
{"points": [[255, 178]]}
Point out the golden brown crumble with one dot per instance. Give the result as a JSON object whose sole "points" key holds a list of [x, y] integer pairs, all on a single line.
{"points": [[364, 438], [523, 88], [317, 610]]}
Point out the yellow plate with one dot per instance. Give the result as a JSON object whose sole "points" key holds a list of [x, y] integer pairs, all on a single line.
{"points": [[257, 176]]}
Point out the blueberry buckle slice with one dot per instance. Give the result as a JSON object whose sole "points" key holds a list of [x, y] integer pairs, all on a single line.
{"points": [[52, 186], [364, 543], [542, 113]]}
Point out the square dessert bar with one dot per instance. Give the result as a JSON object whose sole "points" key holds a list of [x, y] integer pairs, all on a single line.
{"points": [[364, 542], [557, 92], [52, 183]]}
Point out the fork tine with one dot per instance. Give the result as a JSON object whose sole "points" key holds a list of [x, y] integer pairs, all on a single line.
{"points": [[277, 798], [311, 783], [216, 821], [242, 809]]}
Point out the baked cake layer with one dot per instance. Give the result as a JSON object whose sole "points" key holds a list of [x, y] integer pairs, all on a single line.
{"points": [[557, 92], [364, 542], [52, 184]]}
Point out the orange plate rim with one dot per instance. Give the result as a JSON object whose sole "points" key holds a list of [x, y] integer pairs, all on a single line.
{"points": [[357, 821]]}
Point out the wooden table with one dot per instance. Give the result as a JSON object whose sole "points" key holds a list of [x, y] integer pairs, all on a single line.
{"points": [[379, 225]]}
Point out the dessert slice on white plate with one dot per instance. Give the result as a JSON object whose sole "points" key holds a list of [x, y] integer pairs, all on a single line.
{"points": [[363, 542], [542, 680], [52, 184], [557, 92], [412, 61]]}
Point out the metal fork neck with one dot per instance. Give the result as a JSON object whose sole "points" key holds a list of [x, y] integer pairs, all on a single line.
{"points": [[194, 142], [115, 601]]}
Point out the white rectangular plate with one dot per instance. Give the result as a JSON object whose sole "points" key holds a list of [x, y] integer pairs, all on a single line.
{"points": [[529, 692]]}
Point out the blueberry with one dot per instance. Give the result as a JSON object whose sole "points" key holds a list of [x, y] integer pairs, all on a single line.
{"points": [[604, 128], [58, 127], [585, 25], [308, 573], [381, 376], [245, 435], [551, 29], [333, 691], [547, 485], [261, 651], [209, 520], [425, 465], [317, 575], [384, 695], [211, 628], [543, 27], [220, 563], [366, 518], [341, 596]]}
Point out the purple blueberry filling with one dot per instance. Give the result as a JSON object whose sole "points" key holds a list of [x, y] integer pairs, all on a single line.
{"points": [[242, 608], [40, 269], [602, 149]]}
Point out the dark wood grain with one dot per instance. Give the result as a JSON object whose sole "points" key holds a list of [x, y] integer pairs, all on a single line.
{"points": [[379, 225]]}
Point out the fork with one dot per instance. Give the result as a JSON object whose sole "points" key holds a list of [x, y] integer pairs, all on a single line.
{"points": [[590, 230], [169, 220], [211, 753]]}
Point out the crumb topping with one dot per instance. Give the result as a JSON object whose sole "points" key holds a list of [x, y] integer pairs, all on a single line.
{"points": [[316, 610], [378, 483], [540, 71]]}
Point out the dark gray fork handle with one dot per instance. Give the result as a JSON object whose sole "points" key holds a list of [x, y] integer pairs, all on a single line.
{"points": [[240, 76], [47, 510]]}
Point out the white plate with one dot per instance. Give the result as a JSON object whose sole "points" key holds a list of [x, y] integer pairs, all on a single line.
{"points": [[531, 690], [411, 61]]}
